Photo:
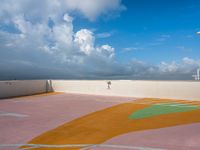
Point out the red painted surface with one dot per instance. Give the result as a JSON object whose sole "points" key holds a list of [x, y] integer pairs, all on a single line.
{"points": [[47, 112]]}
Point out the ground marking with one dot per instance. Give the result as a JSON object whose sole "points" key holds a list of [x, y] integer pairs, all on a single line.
{"points": [[85, 146], [8, 114], [175, 104]]}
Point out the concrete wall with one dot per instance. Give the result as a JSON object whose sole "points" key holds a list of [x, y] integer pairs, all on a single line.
{"points": [[25, 87], [134, 88]]}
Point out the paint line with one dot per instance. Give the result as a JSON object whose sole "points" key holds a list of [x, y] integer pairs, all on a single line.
{"points": [[89, 147], [168, 101], [168, 104], [189, 102], [8, 114], [33, 146], [86, 146], [127, 147], [177, 105]]}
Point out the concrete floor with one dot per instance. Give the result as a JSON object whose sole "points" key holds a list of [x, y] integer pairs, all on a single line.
{"points": [[22, 119]]}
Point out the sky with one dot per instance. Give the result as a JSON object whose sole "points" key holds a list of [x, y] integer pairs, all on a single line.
{"points": [[99, 39]]}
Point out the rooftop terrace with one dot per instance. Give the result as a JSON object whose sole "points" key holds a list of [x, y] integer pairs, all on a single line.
{"points": [[99, 118]]}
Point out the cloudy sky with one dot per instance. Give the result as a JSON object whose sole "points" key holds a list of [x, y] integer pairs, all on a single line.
{"points": [[99, 39]]}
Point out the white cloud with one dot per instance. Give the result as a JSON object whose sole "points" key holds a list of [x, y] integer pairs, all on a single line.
{"points": [[190, 61], [186, 66], [183, 48], [85, 40], [63, 33], [42, 10], [106, 50], [60, 40], [39, 43], [128, 49], [163, 38], [59, 52], [67, 18], [92, 9], [168, 67], [104, 35]]}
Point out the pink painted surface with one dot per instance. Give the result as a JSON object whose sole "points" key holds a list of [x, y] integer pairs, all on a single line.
{"points": [[184, 137], [46, 112]]}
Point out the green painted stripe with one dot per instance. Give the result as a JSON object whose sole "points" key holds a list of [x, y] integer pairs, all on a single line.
{"points": [[160, 109]]}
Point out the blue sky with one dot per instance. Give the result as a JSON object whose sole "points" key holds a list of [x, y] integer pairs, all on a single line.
{"points": [[99, 39], [160, 30]]}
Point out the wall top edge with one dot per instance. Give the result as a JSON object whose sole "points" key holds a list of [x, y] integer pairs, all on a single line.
{"points": [[106, 80]]}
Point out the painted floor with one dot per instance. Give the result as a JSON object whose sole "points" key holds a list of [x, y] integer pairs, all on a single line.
{"points": [[73, 121]]}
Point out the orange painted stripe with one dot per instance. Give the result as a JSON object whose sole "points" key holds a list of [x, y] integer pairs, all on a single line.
{"points": [[103, 125]]}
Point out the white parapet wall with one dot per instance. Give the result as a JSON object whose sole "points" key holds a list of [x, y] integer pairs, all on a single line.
{"points": [[132, 88], [23, 87]]}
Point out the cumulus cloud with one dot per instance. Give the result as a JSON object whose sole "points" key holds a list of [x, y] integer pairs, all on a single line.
{"points": [[92, 9], [44, 44], [85, 40], [42, 10], [106, 50], [174, 70], [168, 67], [187, 65]]}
